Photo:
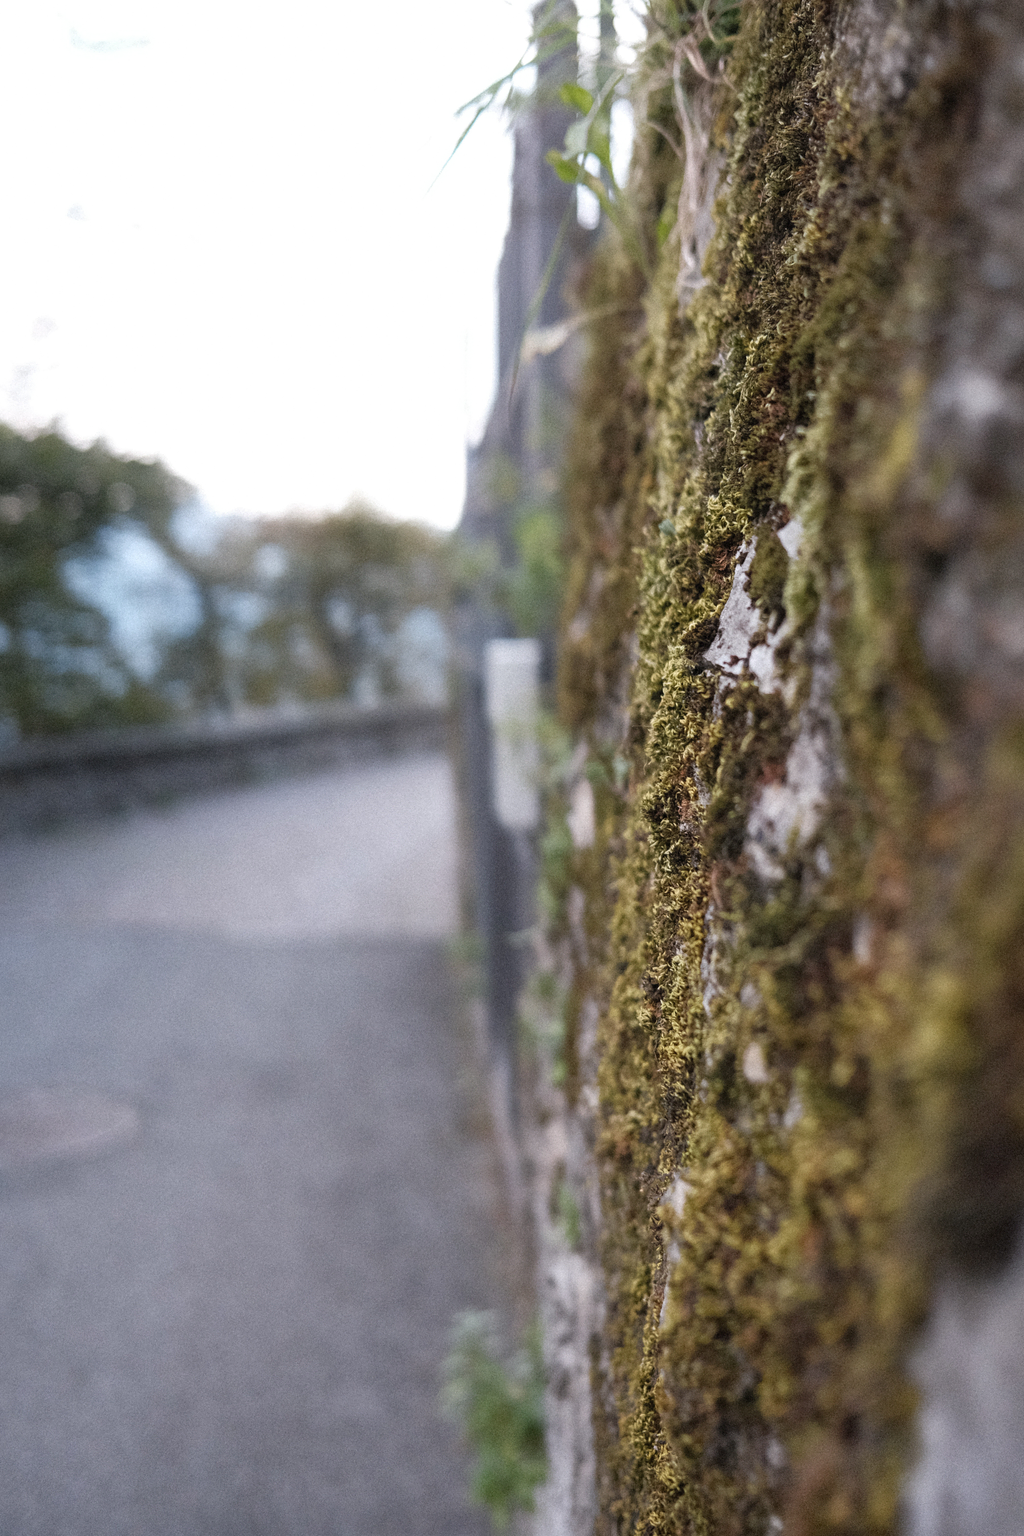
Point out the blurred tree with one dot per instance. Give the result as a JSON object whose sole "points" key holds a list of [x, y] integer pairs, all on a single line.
{"points": [[335, 590], [267, 611], [58, 665]]}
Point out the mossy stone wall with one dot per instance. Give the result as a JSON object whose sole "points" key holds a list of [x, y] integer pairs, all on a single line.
{"points": [[793, 647]]}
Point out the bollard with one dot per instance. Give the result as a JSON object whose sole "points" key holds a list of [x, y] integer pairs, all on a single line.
{"points": [[512, 702]]}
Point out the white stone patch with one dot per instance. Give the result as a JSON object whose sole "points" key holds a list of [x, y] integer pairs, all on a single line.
{"points": [[674, 1203], [975, 395], [675, 1196], [742, 621], [787, 815], [739, 622], [576, 911], [569, 1297], [762, 664], [581, 818], [512, 704], [586, 1050], [672, 1257], [863, 939], [878, 54], [792, 537], [775, 1456], [755, 1068], [1005, 627], [565, 1502]]}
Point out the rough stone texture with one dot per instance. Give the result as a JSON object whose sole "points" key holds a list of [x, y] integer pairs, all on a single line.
{"points": [[569, 1299], [792, 660]]}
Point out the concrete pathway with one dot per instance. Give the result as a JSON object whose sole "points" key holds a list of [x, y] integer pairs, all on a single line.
{"points": [[244, 1181]]}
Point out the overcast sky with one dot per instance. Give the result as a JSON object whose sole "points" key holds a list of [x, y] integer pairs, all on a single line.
{"points": [[220, 247]]}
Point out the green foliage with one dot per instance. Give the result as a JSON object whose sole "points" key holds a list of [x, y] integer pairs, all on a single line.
{"points": [[567, 1213], [499, 1403], [699, 36], [586, 159], [556, 853], [542, 1011], [526, 590], [552, 33], [504, 480], [334, 591], [555, 847], [472, 568], [58, 666], [289, 609], [532, 590]]}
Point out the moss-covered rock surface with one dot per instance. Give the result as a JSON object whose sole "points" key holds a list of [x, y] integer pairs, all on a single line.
{"points": [[793, 646]]}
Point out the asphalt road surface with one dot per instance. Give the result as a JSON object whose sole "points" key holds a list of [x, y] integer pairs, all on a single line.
{"points": [[244, 1180]]}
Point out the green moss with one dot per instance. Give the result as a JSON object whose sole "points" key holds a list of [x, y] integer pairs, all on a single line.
{"points": [[498, 1401], [768, 571], [826, 1060]]}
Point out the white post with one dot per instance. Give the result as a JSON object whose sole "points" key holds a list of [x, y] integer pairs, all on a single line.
{"points": [[512, 705]]}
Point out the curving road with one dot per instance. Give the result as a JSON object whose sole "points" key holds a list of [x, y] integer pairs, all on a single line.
{"points": [[243, 1180]]}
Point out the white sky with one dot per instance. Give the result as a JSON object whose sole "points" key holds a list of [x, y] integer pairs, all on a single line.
{"points": [[220, 248]]}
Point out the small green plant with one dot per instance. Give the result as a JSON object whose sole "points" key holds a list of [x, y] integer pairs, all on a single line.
{"points": [[698, 36], [553, 36], [558, 769], [586, 160], [542, 1019], [532, 589], [556, 852], [498, 1401], [553, 33], [566, 1211]]}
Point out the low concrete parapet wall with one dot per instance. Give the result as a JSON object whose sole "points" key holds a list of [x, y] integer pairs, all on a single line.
{"points": [[50, 780]]}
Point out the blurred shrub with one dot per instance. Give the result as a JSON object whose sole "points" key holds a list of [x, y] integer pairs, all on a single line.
{"points": [[532, 589], [499, 1403]]}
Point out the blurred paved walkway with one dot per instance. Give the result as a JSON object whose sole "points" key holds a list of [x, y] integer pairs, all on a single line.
{"points": [[222, 1310]]}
